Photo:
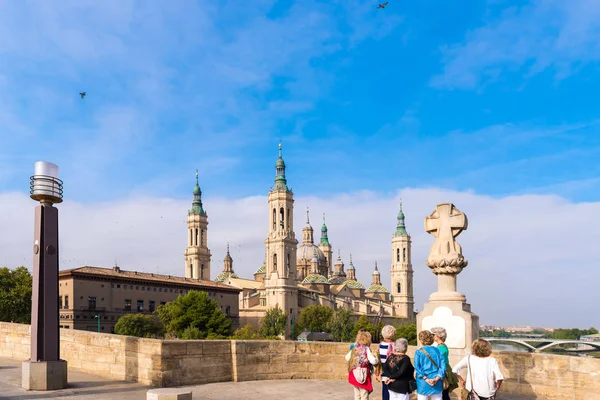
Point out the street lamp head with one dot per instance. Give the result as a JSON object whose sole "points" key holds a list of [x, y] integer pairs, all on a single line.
{"points": [[44, 185]]}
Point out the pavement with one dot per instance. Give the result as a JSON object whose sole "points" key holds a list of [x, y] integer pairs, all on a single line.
{"points": [[87, 386]]}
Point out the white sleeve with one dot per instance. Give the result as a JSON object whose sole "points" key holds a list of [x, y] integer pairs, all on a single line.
{"points": [[349, 355], [461, 365], [496, 369], [371, 357]]}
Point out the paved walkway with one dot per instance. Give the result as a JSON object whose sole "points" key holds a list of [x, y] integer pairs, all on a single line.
{"points": [[86, 386]]}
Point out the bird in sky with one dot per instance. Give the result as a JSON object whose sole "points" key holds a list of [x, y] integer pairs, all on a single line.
{"points": [[383, 5], [82, 94]]}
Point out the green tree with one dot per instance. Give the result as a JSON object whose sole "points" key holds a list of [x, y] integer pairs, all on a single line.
{"points": [[194, 310], [316, 318], [15, 295], [140, 325], [246, 332], [341, 325], [364, 323], [273, 323], [408, 332]]}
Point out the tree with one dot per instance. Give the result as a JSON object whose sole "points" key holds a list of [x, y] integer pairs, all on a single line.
{"points": [[408, 332], [341, 325], [316, 318], [273, 323], [364, 323], [140, 325], [15, 296], [194, 310], [246, 332]]}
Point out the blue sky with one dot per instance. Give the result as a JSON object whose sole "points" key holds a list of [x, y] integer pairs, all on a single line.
{"points": [[491, 102], [500, 94]]}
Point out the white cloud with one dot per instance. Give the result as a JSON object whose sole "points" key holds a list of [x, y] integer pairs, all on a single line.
{"points": [[562, 35], [532, 258]]}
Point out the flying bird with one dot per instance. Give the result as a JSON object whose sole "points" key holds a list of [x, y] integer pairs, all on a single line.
{"points": [[82, 94], [383, 5]]}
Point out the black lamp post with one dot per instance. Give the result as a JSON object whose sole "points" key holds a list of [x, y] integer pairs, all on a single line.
{"points": [[45, 370]]}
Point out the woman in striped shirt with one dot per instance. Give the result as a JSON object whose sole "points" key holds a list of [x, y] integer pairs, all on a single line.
{"points": [[386, 348]]}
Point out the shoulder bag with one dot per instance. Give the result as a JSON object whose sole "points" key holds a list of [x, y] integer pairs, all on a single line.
{"points": [[445, 384], [358, 369]]}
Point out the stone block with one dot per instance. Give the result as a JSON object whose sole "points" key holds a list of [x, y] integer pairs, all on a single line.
{"points": [[169, 394], [172, 347], [194, 347], [217, 347], [44, 375]]}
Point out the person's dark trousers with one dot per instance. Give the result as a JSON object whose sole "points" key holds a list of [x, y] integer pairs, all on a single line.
{"points": [[385, 394], [445, 395]]}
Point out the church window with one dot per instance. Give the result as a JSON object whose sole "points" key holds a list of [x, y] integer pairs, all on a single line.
{"points": [[274, 262], [202, 271], [274, 220], [288, 217], [404, 255], [288, 261], [399, 287], [191, 270], [191, 235], [398, 255], [202, 237], [281, 218], [196, 236]]}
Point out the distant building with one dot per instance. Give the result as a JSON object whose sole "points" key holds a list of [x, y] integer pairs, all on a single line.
{"points": [[591, 338], [87, 292]]}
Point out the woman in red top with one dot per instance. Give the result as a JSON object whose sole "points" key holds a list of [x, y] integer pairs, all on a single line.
{"points": [[359, 360]]}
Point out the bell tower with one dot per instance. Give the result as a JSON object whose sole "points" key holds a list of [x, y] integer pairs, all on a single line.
{"points": [[197, 254], [401, 271], [281, 245]]}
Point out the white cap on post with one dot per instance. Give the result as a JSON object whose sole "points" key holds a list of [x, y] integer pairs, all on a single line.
{"points": [[44, 184]]}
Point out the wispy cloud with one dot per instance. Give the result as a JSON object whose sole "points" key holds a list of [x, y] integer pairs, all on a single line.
{"points": [[520, 248], [540, 35]]}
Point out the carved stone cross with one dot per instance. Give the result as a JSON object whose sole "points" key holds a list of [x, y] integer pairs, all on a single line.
{"points": [[445, 224]]}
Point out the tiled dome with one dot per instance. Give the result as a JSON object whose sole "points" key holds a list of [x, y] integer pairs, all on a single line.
{"points": [[377, 289], [306, 252], [225, 275], [336, 280], [354, 284], [315, 278], [261, 270]]}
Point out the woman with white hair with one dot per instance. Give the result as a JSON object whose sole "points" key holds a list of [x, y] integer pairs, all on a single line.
{"points": [[386, 348], [399, 371], [439, 336]]}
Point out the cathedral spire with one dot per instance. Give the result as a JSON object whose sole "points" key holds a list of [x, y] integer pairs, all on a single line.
{"points": [[280, 181], [324, 238], [401, 228], [197, 203]]}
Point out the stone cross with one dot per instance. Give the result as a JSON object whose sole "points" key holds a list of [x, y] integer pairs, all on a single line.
{"points": [[445, 224]]}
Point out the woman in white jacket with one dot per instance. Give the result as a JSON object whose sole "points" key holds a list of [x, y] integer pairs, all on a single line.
{"points": [[483, 373]]}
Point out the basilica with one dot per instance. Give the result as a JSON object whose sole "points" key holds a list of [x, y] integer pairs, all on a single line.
{"points": [[293, 275]]}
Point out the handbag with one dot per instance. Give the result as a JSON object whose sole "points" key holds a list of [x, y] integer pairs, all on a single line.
{"points": [[445, 383], [360, 374]]}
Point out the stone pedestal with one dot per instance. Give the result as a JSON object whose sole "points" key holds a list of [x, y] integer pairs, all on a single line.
{"points": [[44, 375], [169, 394], [462, 326]]}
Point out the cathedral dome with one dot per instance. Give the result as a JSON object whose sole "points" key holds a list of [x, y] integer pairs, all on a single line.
{"points": [[377, 289], [315, 278], [307, 251], [353, 284], [336, 280], [225, 275]]}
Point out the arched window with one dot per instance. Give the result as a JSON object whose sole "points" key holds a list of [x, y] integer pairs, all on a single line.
{"points": [[399, 287], [288, 261], [281, 218], [202, 237], [196, 235], [202, 271], [404, 255], [191, 238], [191, 270], [274, 262], [274, 220], [398, 255]]}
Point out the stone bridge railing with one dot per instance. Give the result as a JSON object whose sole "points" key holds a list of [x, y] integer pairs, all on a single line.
{"points": [[166, 363]]}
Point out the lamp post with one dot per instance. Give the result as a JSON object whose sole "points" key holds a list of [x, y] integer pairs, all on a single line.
{"points": [[98, 316], [45, 370]]}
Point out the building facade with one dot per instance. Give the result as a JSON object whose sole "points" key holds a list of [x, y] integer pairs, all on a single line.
{"points": [[294, 276], [88, 295]]}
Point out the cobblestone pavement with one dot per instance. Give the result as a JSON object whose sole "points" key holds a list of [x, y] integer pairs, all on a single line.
{"points": [[87, 386]]}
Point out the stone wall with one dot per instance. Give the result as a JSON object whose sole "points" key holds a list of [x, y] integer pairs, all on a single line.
{"points": [[174, 363]]}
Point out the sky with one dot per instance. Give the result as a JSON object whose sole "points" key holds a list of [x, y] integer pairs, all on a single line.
{"points": [[490, 105]]}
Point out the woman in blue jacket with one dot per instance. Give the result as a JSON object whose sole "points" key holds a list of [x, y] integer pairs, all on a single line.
{"points": [[430, 368]]}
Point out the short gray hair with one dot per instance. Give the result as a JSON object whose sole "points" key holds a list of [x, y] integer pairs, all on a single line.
{"points": [[440, 332], [401, 345], [388, 332]]}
